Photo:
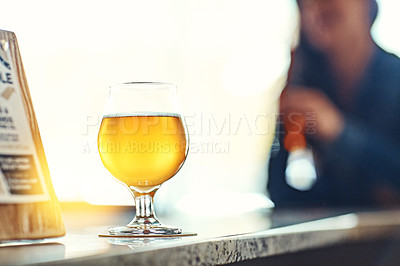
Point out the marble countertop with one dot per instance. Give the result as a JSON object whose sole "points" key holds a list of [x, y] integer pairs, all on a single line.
{"points": [[219, 240]]}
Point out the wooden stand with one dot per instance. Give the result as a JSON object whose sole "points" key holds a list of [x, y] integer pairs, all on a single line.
{"points": [[37, 219]]}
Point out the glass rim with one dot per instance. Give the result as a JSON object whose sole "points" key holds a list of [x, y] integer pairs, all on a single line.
{"points": [[143, 85]]}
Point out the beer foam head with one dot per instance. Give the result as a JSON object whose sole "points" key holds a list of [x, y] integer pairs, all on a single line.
{"points": [[160, 114]]}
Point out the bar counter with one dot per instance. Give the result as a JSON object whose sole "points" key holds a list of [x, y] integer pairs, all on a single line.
{"points": [[276, 236]]}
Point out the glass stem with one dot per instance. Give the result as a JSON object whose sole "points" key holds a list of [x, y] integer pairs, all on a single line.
{"points": [[145, 216], [145, 221]]}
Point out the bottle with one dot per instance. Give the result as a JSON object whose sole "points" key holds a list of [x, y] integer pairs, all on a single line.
{"points": [[300, 170]]}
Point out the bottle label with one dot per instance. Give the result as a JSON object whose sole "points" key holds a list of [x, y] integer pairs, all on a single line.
{"points": [[21, 176]]}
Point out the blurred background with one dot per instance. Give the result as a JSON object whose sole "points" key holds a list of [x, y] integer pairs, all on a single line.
{"points": [[228, 58]]}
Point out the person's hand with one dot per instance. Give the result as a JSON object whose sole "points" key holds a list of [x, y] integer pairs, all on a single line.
{"points": [[317, 110]]}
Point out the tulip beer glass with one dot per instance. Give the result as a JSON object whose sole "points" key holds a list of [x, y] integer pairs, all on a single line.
{"points": [[143, 142]]}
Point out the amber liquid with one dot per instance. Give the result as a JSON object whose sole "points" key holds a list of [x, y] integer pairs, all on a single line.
{"points": [[142, 150]]}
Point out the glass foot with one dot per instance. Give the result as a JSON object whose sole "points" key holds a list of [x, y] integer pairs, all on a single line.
{"points": [[145, 221], [145, 230]]}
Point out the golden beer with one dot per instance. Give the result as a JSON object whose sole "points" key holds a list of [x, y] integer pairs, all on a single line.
{"points": [[142, 149]]}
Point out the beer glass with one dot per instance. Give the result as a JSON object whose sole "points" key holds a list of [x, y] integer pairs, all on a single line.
{"points": [[143, 142]]}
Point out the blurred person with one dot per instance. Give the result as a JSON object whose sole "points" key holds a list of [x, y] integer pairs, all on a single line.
{"points": [[352, 86]]}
